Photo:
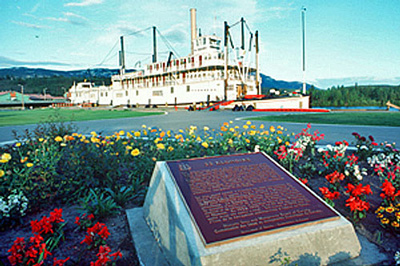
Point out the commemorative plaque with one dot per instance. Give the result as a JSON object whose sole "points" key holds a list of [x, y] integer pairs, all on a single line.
{"points": [[241, 196]]}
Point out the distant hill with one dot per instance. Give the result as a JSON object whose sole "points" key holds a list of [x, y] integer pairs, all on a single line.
{"points": [[270, 83], [24, 72]]}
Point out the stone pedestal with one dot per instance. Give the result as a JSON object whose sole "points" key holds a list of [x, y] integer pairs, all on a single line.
{"points": [[174, 228]]}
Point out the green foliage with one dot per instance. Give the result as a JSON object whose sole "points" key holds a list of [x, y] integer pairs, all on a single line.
{"points": [[53, 84], [99, 204], [373, 95]]}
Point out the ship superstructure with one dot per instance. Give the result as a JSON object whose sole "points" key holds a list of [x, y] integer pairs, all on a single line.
{"points": [[206, 75]]}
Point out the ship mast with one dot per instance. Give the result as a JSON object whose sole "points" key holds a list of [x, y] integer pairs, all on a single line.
{"points": [[226, 32]]}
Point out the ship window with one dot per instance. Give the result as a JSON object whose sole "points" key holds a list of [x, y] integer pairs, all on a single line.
{"points": [[126, 93], [172, 90], [204, 40], [137, 93], [101, 94], [187, 88], [106, 94]]}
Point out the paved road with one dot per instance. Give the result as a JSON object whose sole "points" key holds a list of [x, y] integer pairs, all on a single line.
{"points": [[175, 120]]}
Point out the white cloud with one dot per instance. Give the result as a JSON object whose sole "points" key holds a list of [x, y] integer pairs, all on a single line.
{"points": [[84, 3], [29, 25]]}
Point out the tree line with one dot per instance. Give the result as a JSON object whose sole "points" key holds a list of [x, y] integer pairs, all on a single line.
{"points": [[55, 85], [369, 95]]}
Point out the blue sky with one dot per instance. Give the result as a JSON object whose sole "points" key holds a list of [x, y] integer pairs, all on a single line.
{"points": [[346, 41]]}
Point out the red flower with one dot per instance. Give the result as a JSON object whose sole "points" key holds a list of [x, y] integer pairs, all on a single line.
{"points": [[56, 216], [304, 180], [77, 221], [116, 255], [334, 177], [57, 262], [371, 138], [389, 190], [90, 216], [356, 203], [104, 233], [358, 190], [329, 195]]}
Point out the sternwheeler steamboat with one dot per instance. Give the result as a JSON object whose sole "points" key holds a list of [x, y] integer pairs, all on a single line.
{"points": [[215, 72]]}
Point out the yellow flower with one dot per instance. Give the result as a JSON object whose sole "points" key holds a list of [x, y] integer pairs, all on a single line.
{"points": [[129, 147], [279, 132], [144, 126], [2, 173], [145, 132], [245, 126], [206, 128], [154, 159], [272, 129], [94, 134], [287, 143], [124, 143], [135, 152], [121, 132], [169, 133], [279, 140], [129, 135], [18, 144], [385, 221], [252, 132], [160, 146], [253, 127], [170, 148], [5, 158], [379, 215], [58, 139], [237, 127], [231, 122], [63, 144], [247, 140], [262, 126], [41, 139], [232, 129], [75, 134], [198, 139], [29, 165], [395, 224], [94, 139], [204, 144], [223, 128], [156, 140], [137, 134], [230, 141], [389, 209], [162, 134]]}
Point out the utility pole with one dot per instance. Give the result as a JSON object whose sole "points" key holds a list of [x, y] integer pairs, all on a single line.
{"points": [[303, 14], [44, 92], [22, 96]]}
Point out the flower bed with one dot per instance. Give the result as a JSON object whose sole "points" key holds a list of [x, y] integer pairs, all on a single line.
{"points": [[102, 175]]}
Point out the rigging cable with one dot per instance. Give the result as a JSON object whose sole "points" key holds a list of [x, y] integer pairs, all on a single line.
{"points": [[167, 43]]}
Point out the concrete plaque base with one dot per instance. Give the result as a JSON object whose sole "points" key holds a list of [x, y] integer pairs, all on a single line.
{"points": [[177, 234]]}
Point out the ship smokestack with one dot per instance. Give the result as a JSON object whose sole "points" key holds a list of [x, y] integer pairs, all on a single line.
{"points": [[193, 28]]}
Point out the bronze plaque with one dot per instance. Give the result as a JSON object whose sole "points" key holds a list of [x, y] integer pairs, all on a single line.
{"points": [[243, 195]]}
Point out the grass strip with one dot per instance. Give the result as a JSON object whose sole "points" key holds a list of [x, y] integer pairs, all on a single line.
{"points": [[23, 117], [390, 119]]}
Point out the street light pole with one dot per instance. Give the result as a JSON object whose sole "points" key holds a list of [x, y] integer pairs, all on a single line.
{"points": [[303, 14], [44, 92], [22, 96]]}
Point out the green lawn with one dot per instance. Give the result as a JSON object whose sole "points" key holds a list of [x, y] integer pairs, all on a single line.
{"points": [[8, 118], [343, 118]]}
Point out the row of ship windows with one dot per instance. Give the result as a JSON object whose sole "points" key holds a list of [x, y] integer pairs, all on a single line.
{"points": [[155, 93], [182, 61]]}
